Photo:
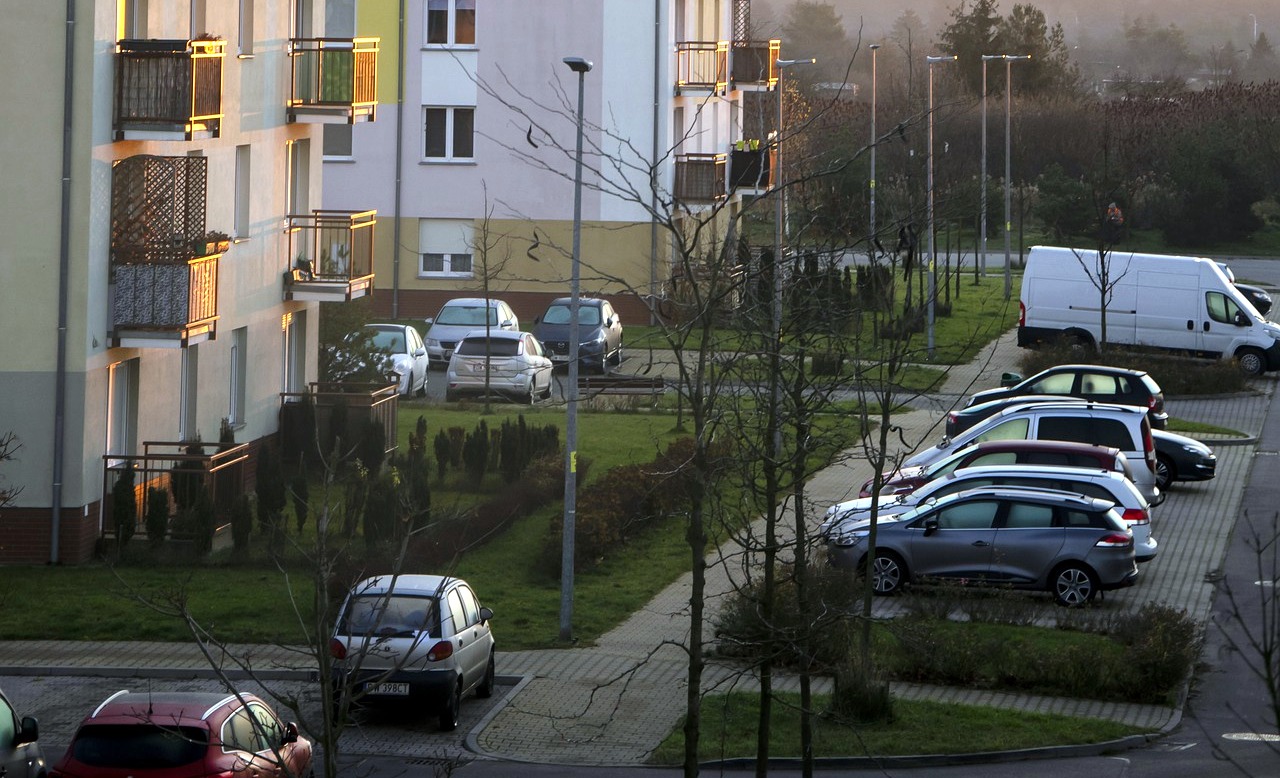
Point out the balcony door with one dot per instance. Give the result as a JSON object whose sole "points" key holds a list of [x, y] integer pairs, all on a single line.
{"points": [[294, 351], [122, 408], [189, 393]]}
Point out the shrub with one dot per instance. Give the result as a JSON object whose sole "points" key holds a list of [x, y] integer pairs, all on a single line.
{"points": [[861, 692], [301, 494], [1161, 645], [157, 518], [124, 507], [475, 454], [242, 522], [270, 489], [381, 514], [442, 447]]}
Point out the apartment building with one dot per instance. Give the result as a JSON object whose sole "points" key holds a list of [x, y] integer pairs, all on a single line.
{"points": [[470, 164], [164, 244]]}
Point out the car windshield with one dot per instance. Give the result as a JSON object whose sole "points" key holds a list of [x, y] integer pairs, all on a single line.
{"points": [[139, 746], [500, 347], [387, 615], [559, 314], [389, 340], [466, 315]]}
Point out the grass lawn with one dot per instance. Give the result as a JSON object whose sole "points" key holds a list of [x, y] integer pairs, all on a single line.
{"points": [[729, 724]]}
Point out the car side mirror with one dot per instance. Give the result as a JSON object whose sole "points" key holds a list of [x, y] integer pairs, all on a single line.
{"points": [[421, 352], [930, 527], [1242, 320], [429, 321], [1009, 379], [485, 614], [537, 320], [30, 731], [290, 733]]}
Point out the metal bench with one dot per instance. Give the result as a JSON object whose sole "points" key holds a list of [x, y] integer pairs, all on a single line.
{"points": [[634, 385]]}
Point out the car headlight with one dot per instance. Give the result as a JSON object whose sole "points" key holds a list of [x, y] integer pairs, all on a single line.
{"points": [[848, 539], [433, 343]]}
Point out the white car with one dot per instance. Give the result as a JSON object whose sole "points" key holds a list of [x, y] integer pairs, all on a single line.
{"points": [[514, 363], [1090, 482], [462, 315], [423, 638], [407, 354]]}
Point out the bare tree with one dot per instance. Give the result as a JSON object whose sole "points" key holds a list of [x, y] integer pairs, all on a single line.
{"points": [[9, 445]]}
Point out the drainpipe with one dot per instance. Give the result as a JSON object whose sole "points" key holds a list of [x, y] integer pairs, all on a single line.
{"points": [[653, 167], [64, 266], [395, 228]]}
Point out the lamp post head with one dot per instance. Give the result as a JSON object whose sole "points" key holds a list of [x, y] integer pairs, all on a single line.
{"points": [[577, 64], [874, 46], [1016, 57], [989, 57], [783, 63], [946, 58]]}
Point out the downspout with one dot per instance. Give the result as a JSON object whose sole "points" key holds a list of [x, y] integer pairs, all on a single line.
{"points": [[653, 168], [395, 229], [64, 269]]}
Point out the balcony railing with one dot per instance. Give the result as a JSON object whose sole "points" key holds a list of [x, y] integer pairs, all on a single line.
{"points": [[335, 80], [700, 177], [188, 474], [168, 89], [330, 255], [755, 63], [702, 66], [158, 304], [306, 418], [751, 168]]}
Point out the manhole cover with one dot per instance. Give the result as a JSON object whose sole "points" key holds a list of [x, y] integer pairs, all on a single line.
{"points": [[1257, 737]]}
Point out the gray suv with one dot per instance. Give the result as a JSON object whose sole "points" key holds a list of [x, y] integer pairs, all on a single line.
{"points": [[1069, 545]]}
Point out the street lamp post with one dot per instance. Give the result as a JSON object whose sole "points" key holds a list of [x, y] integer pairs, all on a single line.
{"points": [[1008, 168], [580, 66], [871, 236], [982, 252], [933, 267]]}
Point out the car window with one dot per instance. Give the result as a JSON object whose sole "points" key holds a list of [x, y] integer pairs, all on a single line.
{"points": [[1097, 383], [8, 725], [960, 485], [397, 613], [532, 346], [1023, 515], [1059, 383], [389, 340], [469, 605], [1078, 429], [270, 733], [994, 458], [1075, 518], [415, 340], [498, 347], [238, 733], [559, 314], [466, 316], [978, 514], [139, 746], [457, 612], [1015, 429]]}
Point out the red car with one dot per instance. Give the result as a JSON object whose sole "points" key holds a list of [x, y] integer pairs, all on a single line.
{"points": [[184, 735], [1004, 452]]}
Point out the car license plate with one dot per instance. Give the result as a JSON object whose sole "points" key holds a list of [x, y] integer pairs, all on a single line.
{"points": [[395, 689]]}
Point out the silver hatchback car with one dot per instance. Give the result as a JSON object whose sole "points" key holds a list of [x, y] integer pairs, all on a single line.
{"points": [[1069, 545], [424, 639]]}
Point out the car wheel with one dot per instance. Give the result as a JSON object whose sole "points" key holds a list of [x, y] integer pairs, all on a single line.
{"points": [[1166, 472], [422, 388], [485, 689], [1251, 361], [888, 574], [1074, 585], [617, 356], [451, 709]]}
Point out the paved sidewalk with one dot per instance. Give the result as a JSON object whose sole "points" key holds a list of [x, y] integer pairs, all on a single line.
{"points": [[613, 703]]}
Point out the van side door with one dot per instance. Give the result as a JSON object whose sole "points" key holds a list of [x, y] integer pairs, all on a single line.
{"points": [[1218, 323]]}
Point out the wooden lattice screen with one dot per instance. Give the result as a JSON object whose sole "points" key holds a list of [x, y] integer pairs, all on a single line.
{"points": [[157, 208]]}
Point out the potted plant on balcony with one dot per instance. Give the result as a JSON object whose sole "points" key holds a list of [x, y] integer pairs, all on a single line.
{"points": [[214, 242]]}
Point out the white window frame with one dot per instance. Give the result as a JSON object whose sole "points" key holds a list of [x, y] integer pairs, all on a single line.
{"points": [[244, 169], [244, 34], [450, 113], [122, 407], [448, 260], [237, 377], [451, 37], [189, 393]]}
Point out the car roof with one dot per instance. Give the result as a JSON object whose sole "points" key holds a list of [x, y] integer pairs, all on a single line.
{"points": [[1019, 399], [403, 584], [1057, 446], [472, 302], [1070, 405], [588, 301], [1056, 471], [1092, 368], [495, 334], [126, 707], [1026, 494]]}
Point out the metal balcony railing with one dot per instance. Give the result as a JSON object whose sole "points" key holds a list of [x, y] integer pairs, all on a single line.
{"points": [[330, 255], [702, 66], [333, 79], [167, 88], [751, 168], [700, 177]]}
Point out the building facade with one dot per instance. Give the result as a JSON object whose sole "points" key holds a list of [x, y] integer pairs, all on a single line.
{"points": [[165, 246], [471, 162]]}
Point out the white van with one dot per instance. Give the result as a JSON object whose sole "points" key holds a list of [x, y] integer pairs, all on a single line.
{"points": [[1184, 304]]}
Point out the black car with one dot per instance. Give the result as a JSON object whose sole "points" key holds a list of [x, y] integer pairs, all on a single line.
{"points": [[1179, 458], [1099, 383], [599, 332], [1258, 296]]}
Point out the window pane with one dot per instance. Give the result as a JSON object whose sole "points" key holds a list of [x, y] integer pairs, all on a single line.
{"points": [[337, 140], [435, 132], [463, 124], [465, 22], [437, 21], [461, 263], [433, 263]]}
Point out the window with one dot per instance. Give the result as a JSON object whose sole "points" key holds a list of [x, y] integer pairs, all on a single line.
{"points": [[122, 407], [456, 612], [1010, 430], [470, 605], [131, 19], [1222, 308], [449, 133], [189, 392], [980, 514], [1095, 431], [239, 347], [1054, 384], [1025, 516], [294, 351], [446, 264], [241, 215], [451, 22], [199, 25], [8, 724], [444, 247], [337, 141], [246, 27], [298, 176]]}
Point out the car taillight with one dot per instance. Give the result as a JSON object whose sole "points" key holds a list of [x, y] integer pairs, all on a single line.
{"points": [[953, 418], [1114, 540], [1134, 516], [1150, 447], [337, 649], [1022, 314], [441, 650]]}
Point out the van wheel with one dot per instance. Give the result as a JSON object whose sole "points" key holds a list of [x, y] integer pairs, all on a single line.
{"points": [[1252, 362], [451, 710], [1074, 585]]}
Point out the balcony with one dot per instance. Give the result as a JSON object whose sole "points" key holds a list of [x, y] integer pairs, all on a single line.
{"points": [[331, 255], [334, 80], [168, 89], [164, 267], [750, 168], [700, 178], [702, 67], [755, 64]]}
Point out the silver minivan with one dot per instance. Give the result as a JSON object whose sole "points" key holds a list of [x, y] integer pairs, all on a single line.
{"points": [[424, 639]]}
